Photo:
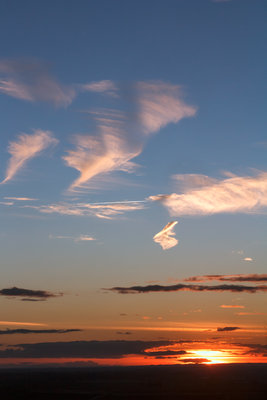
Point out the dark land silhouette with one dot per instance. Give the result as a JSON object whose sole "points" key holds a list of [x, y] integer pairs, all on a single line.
{"points": [[183, 382]]}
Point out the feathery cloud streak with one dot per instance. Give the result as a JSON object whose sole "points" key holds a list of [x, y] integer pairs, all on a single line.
{"points": [[26, 148], [165, 236], [193, 288], [30, 80], [101, 210], [95, 155], [232, 195], [121, 136]]}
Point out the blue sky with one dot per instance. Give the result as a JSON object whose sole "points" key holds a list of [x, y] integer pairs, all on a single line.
{"points": [[123, 101]]}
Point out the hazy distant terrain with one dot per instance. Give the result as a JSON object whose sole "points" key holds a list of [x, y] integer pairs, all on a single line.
{"points": [[217, 382]]}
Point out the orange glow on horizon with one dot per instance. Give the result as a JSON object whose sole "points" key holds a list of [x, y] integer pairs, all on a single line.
{"points": [[201, 356]]}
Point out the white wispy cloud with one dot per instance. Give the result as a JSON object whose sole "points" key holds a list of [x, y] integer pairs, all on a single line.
{"points": [[110, 151], [105, 211], [31, 81], [105, 86], [159, 104], [165, 236], [26, 148], [20, 198], [80, 238], [120, 135], [236, 194]]}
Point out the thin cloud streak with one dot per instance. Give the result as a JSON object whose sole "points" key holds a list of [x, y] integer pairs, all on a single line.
{"points": [[231, 195], [165, 236], [80, 238], [229, 278], [101, 210], [20, 198], [14, 323], [37, 331], [231, 306], [182, 287], [26, 148]]}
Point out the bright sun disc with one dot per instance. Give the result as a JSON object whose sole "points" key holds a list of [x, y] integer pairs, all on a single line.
{"points": [[212, 356]]}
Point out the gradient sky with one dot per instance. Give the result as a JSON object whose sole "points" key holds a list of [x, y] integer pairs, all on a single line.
{"points": [[133, 181]]}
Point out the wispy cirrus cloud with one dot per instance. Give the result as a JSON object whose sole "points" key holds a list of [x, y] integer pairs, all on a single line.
{"points": [[30, 80], [97, 155], [25, 148], [235, 194], [120, 136], [159, 104], [28, 293], [105, 86], [182, 287], [99, 210], [165, 236], [229, 278]]}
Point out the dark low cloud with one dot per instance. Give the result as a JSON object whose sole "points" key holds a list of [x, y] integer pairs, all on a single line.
{"points": [[81, 349], [124, 333], [166, 353], [183, 287], [32, 299], [229, 278], [26, 331], [195, 360], [28, 294], [228, 329], [255, 349]]}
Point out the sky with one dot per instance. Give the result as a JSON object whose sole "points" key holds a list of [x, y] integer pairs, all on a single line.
{"points": [[133, 182]]}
